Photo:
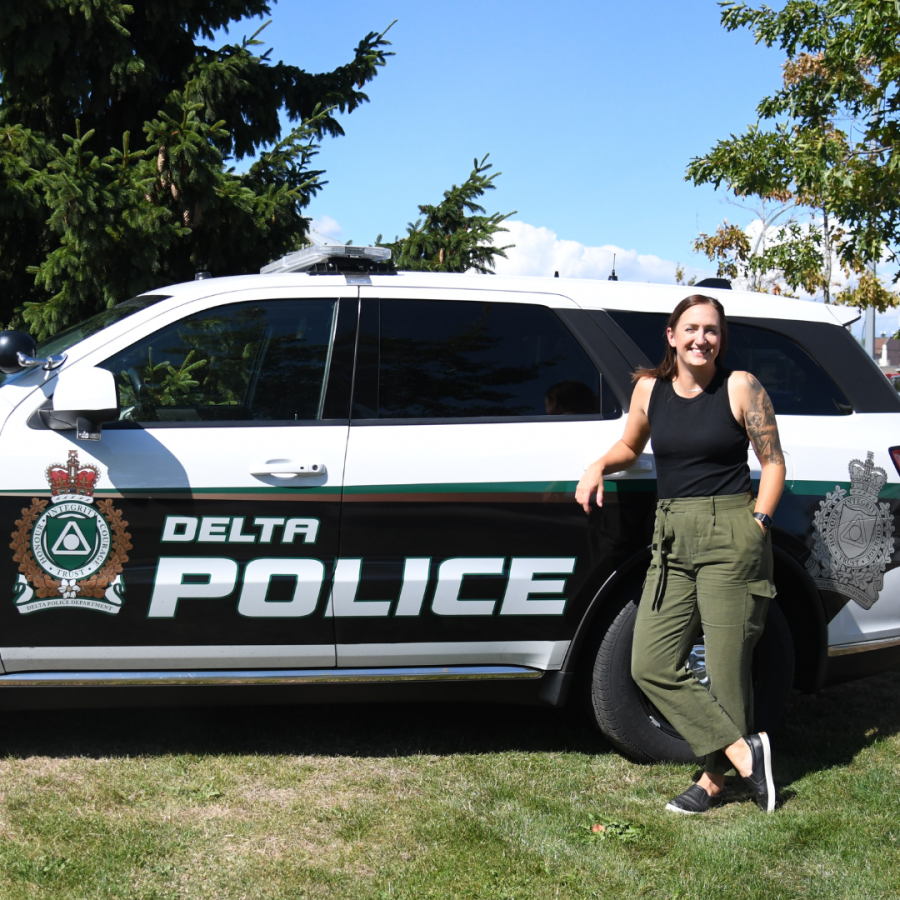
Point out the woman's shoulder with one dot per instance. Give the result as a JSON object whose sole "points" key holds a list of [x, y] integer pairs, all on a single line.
{"points": [[643, 390], [743, 386], [739, 379], [645, 384]]}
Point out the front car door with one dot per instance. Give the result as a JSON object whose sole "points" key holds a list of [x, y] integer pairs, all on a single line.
{"points": [[200, 531]]}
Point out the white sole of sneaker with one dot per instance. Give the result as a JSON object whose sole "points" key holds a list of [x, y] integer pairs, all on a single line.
{"points": [[770, 781], [671, 807]]}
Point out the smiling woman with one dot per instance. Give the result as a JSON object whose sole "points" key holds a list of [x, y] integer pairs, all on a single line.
{"points": [[712, 555]]}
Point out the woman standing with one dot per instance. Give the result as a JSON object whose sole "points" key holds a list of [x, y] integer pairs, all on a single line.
{"points": [[712, 553]]}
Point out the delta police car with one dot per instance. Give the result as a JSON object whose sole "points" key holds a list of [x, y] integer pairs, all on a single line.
{"points": [[333, 482]]}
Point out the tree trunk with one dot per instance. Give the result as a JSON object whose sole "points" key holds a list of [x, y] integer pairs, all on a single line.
{"points": [[826, 235]]}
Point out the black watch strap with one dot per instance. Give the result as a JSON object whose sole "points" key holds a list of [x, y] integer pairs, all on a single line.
{"points": [[766, 520]]}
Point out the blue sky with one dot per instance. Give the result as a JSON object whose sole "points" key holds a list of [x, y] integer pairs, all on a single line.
{"points": [[591, 111]]}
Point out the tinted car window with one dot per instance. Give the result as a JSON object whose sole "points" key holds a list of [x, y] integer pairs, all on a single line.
{"points": [[241, 362], [797, 384], [441, 359]]}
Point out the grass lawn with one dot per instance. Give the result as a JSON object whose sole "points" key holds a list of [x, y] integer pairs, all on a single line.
{"points": [[429, 801]]}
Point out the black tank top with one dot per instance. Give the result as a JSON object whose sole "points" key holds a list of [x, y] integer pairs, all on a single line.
{"points": [[700, 448]]}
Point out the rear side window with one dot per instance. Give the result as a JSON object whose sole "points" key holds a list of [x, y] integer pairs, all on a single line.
{"points": [[797, 384], [260, 361], [449, 359]]}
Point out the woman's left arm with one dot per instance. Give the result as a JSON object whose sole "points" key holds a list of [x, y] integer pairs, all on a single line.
{"points": [[762, 429]]}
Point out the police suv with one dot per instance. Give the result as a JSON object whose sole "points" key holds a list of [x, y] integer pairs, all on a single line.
{"points": [[335, 482]]}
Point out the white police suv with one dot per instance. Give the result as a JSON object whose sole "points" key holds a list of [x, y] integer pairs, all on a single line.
{"points": [[333, 482]]}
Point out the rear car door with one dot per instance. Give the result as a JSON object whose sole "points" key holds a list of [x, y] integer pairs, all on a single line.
{"points": [[474, 415], [200, 530]]}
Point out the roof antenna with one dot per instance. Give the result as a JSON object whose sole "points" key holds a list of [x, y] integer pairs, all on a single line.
{"points": [[613, 277]]}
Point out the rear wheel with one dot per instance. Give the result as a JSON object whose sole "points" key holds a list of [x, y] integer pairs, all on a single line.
{"points": [[633, 724]]}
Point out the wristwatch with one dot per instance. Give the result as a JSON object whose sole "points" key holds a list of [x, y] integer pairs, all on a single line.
{"points": [[766, 520]]}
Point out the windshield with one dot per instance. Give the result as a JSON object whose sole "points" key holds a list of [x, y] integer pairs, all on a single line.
{"points": [[62, 341]]}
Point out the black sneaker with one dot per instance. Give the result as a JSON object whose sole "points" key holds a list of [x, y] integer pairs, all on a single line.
{"points": [[694, 800], [760, 778]]}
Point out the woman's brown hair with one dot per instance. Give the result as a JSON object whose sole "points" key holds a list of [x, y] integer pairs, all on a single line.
{"points": [[668, 367]]}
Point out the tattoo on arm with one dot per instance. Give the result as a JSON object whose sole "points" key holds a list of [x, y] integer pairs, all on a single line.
{"points": [[761, 425]]}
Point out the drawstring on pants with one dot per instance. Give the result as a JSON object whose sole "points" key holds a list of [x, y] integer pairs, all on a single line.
{"points": [[661, 533], [664, 534]]}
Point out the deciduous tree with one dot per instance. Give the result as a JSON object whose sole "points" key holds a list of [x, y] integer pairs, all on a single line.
{"points": [[825, 141]]}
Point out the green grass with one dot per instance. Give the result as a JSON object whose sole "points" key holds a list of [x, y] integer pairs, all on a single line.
{"points": [[433, 801]]}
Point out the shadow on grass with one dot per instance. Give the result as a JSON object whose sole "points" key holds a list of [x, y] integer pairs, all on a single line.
{"points": [[817, 732], [832, 727], [361, 730]]}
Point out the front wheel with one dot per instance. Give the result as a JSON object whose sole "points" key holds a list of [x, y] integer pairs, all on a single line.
{"points": [[632, 724]]}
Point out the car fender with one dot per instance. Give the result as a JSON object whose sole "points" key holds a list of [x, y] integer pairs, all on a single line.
{"points": [[633, 569]]}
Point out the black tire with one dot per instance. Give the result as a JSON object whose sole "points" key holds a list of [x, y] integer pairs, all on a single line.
{"points": [[633, 725], [773, 670]]}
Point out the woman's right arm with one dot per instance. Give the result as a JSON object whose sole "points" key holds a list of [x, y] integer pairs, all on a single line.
{"points": [[624, 453]]}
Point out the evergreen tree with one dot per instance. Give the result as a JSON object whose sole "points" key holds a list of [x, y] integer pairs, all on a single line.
{"points": [[117, 129], [456, 235]]}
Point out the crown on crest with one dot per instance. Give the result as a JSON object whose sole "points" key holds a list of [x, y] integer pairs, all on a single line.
{"points": [[866, 477], [72, 481]]}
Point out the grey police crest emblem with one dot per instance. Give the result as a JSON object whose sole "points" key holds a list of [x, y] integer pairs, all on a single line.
{"points": [[854, 536]]}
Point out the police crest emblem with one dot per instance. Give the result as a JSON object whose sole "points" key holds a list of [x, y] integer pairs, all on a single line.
{"points": [[70, 550], [854, 536]]}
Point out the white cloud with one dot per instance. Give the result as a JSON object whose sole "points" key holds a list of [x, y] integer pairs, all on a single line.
{"points": [[326, 227], [539, 251]]}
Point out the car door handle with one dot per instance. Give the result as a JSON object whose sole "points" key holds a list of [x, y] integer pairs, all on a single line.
{"points": [[287, 468], [641, 467]]}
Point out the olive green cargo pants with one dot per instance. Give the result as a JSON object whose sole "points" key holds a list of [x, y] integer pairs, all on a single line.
{"points": [[712, 575]]}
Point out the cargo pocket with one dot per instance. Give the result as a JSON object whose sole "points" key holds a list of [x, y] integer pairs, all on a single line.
{"points": [[759, 594]]}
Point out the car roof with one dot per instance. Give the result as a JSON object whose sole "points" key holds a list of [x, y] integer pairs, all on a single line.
{"points": [[586, 293]]}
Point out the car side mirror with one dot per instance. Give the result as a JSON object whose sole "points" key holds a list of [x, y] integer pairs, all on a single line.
{"points": [[83, 400], [17, 351], [12, 345]]}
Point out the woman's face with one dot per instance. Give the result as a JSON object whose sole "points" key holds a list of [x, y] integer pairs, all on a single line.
{"points": [[697, 336]]}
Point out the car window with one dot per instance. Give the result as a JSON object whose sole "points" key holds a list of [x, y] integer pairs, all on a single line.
{"points": [[258, 361], [797, 384], [447, 359]]}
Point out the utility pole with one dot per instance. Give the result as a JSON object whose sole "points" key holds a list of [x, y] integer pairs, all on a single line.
{"points": [[871, 312]]}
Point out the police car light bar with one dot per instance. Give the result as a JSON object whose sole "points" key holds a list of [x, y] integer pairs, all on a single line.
{"points": [[308, 257]]}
